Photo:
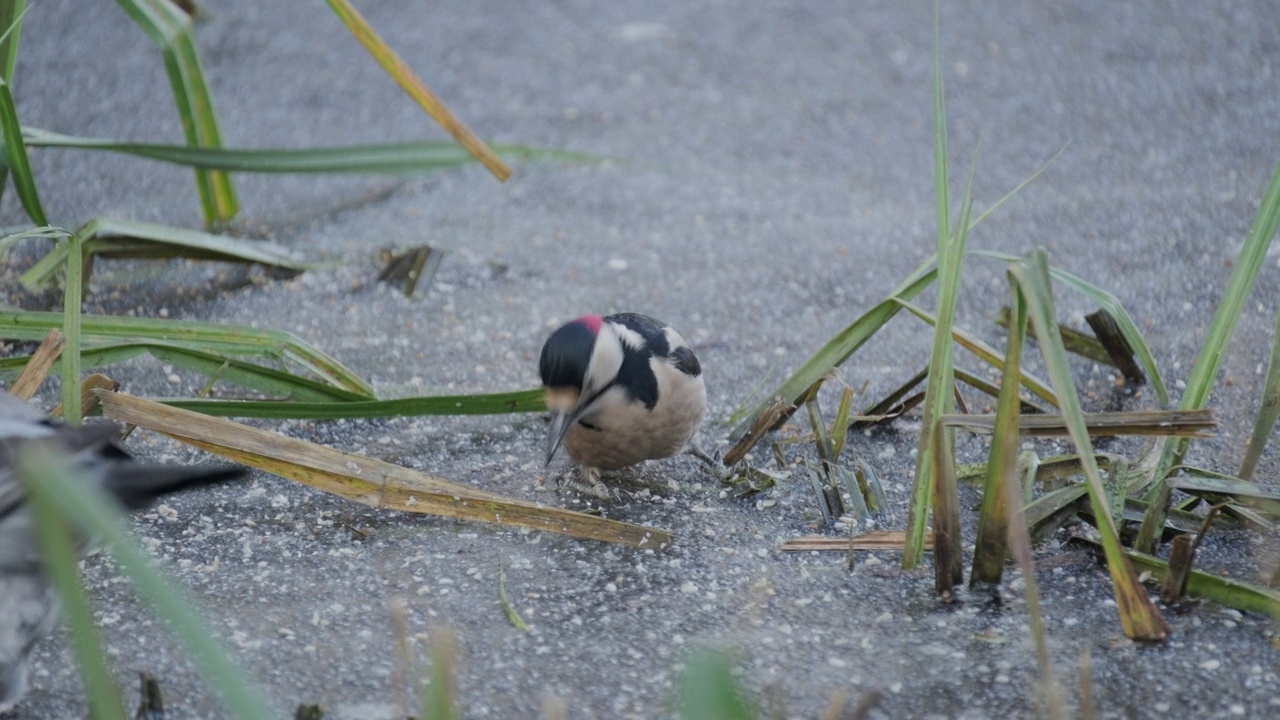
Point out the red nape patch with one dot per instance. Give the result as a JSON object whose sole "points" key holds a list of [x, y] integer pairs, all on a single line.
{"points": [[593, 323]]}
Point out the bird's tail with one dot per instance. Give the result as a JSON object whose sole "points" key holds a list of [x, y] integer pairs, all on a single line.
{"points": [[137, 485]]}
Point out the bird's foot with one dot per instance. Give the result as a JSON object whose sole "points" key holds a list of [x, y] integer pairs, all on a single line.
{"points": [[587, 482]]}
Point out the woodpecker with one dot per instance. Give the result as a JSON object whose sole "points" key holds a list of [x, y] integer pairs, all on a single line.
{"points": [[28, 604], [621, 389]]}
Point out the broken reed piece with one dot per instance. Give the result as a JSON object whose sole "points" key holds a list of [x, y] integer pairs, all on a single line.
{"points": [[37, 368], [873, 540], [1118, 348], [1181, 556]]}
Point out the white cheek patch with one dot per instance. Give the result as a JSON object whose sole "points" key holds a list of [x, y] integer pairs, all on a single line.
{"points": [[628, 337], [606, 358], [674, 339]]}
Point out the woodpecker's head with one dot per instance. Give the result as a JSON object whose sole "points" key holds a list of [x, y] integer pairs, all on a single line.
{"points": [[579, 361], [629, 381]]}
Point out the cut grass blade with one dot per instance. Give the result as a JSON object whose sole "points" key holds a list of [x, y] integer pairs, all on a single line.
{"points": [[16, 160], [229, 340], [1138, 616], [41, 472], [1119, 351], [111, 238], [1105, 300], [1175, 423], [365, 480], [409, 81], [91, 510], [1205, 372], [874, 540], [37, 369], [171, 30], [992, 543], [388, 159], [948, 542]]}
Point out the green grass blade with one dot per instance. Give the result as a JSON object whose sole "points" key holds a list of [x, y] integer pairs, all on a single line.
{"points": [[15, 158], [1252, 255], [439, 700], [484, 404], [1268, 411], [1111, 304], [992, 543], [92, 510], [112, 238], [1138, 616], [389, 158], [1224, 591], [280, 384], [939, 397], [11, 14], [46, 232], [11, 22], [71, 329], [41, 473], [1209, 361], [708, 690], [101, 330], [173, 33], [845, 343]]}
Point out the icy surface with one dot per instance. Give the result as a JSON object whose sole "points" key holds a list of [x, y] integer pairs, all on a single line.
{"points": [[774, 179]]}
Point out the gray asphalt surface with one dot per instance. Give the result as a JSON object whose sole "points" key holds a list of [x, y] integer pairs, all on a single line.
{"points": [[779, 181]]}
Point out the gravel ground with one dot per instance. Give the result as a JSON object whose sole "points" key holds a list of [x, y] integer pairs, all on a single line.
{"points": [[777, 181]]}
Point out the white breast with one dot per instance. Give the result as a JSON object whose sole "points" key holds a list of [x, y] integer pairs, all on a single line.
{"points": [[624, 432]]}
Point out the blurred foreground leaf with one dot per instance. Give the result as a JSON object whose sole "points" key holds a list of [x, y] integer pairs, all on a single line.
{"points": [[93, 512]]}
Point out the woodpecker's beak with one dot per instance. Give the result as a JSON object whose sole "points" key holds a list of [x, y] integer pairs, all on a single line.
{"points": [[565, 411], [560, 424]]}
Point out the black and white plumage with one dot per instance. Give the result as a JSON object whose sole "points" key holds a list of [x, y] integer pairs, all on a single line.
{"points": [[28, 605], [622, 389]]}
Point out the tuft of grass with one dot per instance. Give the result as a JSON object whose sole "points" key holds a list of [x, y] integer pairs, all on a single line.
{"points": [[1138, 616]]}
